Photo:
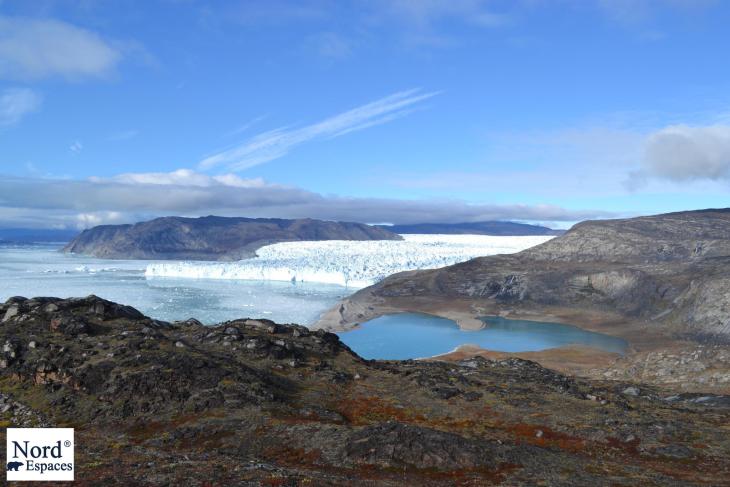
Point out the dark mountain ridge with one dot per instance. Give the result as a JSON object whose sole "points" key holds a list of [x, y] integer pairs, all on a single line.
{"points": [[211, 237], [499, 228]]}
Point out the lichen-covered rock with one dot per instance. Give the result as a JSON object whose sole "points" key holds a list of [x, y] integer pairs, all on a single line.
{"points": [[395, 445], [252, 402]]}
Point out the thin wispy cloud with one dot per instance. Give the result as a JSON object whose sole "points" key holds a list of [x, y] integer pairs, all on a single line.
{"points": [[425, 13], [76, 147], [123, 135], [15, 103], [636, 12], [245, 127], [277, 12], [330, 45], [276, 143]]}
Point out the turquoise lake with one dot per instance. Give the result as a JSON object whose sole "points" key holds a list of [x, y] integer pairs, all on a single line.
{"points": [[411, 335]]}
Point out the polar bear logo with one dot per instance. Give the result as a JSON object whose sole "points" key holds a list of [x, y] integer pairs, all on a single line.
{"points": [[14, 466]]}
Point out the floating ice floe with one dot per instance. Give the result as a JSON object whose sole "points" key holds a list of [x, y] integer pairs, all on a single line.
{"points": [[348, 263]]}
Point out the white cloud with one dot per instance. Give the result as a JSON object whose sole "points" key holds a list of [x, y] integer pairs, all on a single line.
{"points": [[32, 49], [132, 197], [15, 103], [681, 153], [92, 219], [276, 143], [183, 177], [76, 147]]}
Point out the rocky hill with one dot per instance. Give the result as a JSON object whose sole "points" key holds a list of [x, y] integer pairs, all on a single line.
{"points": [[686, 237], [668, 272], [252, 402], [211, 237], [475, 228]]}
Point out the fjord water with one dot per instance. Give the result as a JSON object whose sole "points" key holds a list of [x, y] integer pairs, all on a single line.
{"points": [[412, 335], [290, 282], [41, 270]]}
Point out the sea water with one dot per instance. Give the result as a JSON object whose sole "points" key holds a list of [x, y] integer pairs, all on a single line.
{"points": [[412, 335], [41, 270]]}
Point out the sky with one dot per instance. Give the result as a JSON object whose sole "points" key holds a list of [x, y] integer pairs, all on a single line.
{"points": [[379, 111]]}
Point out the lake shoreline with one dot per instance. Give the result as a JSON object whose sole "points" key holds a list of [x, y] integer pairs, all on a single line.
{"points": [[644, 341], [404, 336]]}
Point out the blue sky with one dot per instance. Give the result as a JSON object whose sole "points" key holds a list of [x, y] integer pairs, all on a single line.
{"points": [[370, 110]]}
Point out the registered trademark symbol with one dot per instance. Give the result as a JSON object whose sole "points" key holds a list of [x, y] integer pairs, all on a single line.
{"points": [[66, 443]]}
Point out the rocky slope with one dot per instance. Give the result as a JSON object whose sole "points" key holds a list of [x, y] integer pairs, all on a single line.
{"points": [[251, 402], [211, 237], [669, 272], [474, 228]]}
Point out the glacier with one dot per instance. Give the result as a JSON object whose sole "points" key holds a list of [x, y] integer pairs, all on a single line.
{"points": [[352, 264]]}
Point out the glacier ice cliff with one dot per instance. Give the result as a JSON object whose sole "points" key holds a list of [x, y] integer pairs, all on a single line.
{"points": [[348, 263]]}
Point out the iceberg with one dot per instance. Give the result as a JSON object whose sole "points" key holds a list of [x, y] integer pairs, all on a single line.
{"points": [[353, 264]]}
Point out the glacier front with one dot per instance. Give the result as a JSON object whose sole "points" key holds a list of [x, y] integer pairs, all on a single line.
{"points": [[348, 263]]}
